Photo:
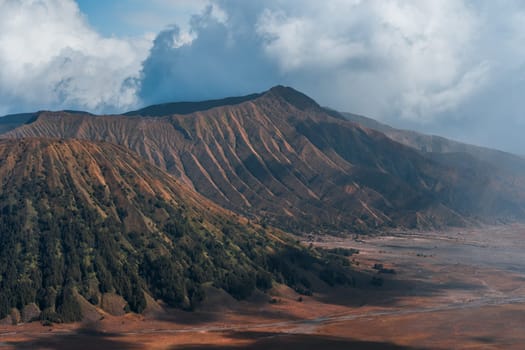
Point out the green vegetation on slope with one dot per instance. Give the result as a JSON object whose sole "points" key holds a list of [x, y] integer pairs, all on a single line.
{"points": [[82, 218]]}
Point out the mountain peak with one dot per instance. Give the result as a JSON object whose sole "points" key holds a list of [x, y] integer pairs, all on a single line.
{"points": [[288, 94], [292, 96]]}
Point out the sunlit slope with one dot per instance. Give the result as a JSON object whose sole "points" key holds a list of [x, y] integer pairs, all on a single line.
{"points": [[284, 160]]}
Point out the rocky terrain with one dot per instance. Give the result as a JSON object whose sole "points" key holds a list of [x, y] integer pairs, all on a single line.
{"points": [[281, 159]]}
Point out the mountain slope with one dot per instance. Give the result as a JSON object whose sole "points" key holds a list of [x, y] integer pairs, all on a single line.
{"points": [[10, 122], [282, 158], [81, 219], [440, 145], [189, 107]]}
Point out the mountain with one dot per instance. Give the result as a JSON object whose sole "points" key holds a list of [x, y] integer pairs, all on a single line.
{"points": [[10, 122], [189, 107], [433, 144], [280, 158], [82, 221], [13, 121]]}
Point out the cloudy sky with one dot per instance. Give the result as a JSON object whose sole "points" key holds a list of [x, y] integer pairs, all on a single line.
{"points": [[449, 67]]}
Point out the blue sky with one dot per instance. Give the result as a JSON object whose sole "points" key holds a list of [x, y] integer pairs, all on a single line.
{"points": [[137, 17], [104, 16], [449, 67]]}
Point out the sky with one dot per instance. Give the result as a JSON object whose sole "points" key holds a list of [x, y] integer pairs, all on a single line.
{"points": [[450, 67]]}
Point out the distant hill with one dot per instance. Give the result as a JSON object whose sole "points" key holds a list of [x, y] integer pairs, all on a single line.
{"points": [[281, 159], [82, 221], [440, 145]]}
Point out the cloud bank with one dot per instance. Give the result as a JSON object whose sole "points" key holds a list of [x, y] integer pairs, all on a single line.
{"points": [[51, 58], [217, 57], [443, 66], [450, 66], [411, 59]]}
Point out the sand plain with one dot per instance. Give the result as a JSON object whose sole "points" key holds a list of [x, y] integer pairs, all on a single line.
{"points": [[458, 289]]}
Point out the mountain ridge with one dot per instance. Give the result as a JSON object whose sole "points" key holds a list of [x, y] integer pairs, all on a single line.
{"points": [[282, 159], [164, 109], [437, 144]]}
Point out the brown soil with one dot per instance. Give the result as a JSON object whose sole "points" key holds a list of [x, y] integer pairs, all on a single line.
{"points": [[461, 289]]}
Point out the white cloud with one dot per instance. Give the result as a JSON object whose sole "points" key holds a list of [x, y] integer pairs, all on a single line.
{"points": [[422, 105], [409, 60], [51, 58], [425, 64], [299, 42], [417, 57]]}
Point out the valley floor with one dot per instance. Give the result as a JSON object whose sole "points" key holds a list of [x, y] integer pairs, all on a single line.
{"points": [[461, 289]]}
